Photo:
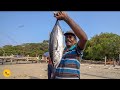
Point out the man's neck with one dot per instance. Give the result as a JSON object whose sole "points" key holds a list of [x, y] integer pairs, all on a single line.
{"points": [[68, 47]]}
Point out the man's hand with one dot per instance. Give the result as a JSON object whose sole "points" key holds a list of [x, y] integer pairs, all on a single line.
{"points": [[60, 15]]}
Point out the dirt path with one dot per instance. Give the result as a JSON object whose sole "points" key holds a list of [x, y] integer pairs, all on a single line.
{"points": [[39, 71], [95, 71], [25, 71]]}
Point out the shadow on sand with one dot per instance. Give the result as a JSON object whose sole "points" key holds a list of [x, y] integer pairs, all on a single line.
{"points": [[97, 76], [32, 77]]}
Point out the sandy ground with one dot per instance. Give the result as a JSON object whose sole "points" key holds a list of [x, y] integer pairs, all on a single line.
{"points": [[99, 71], [39, 71]]}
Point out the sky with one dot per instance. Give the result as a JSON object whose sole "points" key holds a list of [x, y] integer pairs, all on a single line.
{"points": [[18, 27]]}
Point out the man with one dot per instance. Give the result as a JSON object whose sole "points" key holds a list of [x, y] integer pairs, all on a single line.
{"points": [[50, 68], [50, 65], [69, 67]]}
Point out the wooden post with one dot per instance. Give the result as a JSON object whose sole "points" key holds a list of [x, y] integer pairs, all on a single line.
{"points": [[113, 62], [11, 60], [27, 59], [119, 59], [105, 60], [2, 61]]}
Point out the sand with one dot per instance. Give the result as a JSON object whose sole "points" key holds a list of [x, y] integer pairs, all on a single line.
{"points": [[39, 71]]}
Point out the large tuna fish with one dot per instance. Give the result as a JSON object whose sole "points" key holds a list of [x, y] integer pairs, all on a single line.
{"points": [[56, 44]]}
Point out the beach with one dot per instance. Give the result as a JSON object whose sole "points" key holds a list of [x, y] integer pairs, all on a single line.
{"points": [[39, 71]]}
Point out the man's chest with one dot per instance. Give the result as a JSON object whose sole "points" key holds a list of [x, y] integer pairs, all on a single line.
{"points": [[70, 54]]}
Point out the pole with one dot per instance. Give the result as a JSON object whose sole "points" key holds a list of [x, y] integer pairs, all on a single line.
{"points": [[105, 60], [119, 59], [113, 62]]}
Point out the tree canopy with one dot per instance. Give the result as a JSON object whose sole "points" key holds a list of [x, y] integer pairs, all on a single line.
{"points": [[31, 49], [99, 46], [104, 44]]}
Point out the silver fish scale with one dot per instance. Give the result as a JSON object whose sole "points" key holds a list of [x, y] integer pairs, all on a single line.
{"points": [[56, 45]]}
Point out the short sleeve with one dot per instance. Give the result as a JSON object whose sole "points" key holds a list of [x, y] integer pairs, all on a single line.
{"points": [[79, 51]]}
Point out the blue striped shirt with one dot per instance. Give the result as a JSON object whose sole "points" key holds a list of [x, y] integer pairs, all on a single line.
{"points": [[69, 67]]}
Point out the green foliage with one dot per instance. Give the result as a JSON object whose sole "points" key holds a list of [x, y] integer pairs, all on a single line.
{"points": [[105, 44], [31, 49], [99, 46]]}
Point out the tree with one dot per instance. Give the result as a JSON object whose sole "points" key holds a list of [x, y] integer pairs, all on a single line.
{"points": [[104, 44], [31, 49]]}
